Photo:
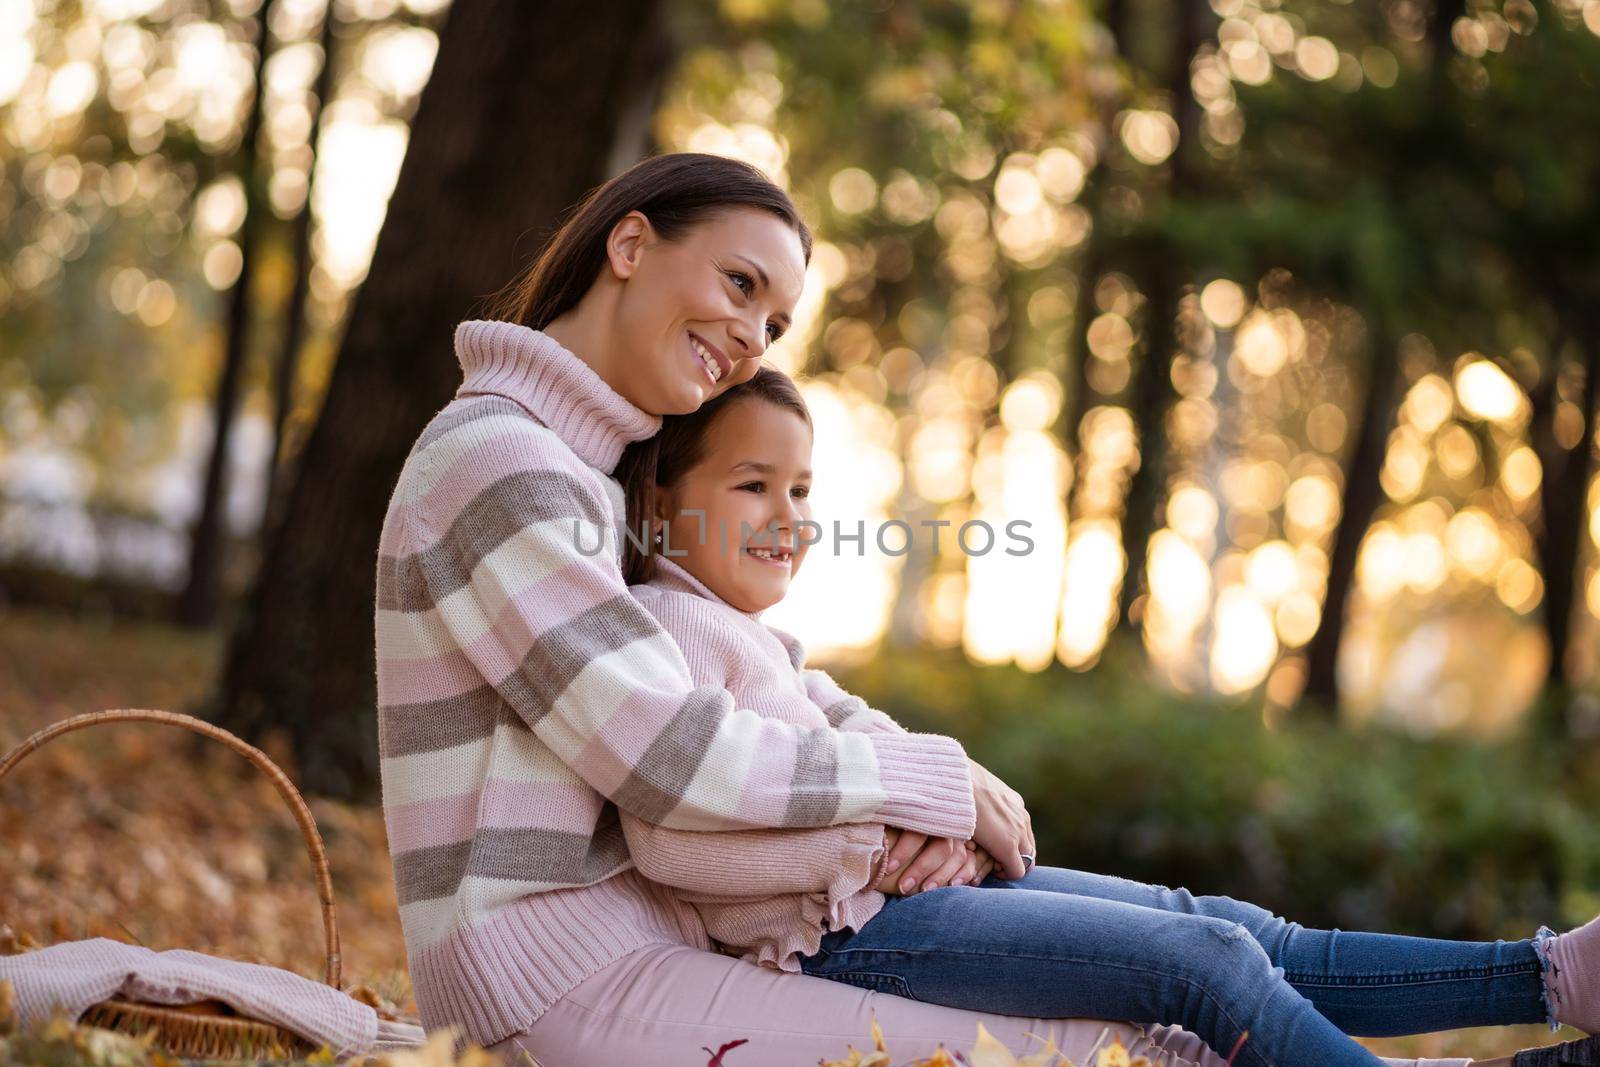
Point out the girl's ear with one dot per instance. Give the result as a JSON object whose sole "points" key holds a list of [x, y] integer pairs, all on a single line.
{"points": [[663, 507]]}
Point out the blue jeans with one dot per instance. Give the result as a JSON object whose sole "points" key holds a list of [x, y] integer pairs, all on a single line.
{"points": [[1058, 943]]}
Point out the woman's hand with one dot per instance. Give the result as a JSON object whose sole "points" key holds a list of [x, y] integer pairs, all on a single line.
{"points": [[1004, 828]]}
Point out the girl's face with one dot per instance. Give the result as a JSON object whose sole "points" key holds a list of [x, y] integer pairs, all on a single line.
{"points": [[695, 315], [754, 486]]}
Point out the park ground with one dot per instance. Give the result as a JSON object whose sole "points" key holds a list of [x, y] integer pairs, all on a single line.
{"points": [[150, 835]]}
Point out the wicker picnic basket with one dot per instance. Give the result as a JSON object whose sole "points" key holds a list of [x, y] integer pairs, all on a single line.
{"points": [[209, 1029]]}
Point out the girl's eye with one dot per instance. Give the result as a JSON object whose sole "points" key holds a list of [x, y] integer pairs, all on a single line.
{"points": [[802, 491], [757, 487]]}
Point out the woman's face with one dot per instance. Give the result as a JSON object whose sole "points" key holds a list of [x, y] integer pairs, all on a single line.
{"points": [[753, 484], [695, 315]]}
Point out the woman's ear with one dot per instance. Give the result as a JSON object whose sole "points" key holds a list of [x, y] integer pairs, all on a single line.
{"points": [[626, 242]]}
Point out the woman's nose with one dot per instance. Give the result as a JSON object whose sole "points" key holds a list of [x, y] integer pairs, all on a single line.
{"points": [[751, 338]]}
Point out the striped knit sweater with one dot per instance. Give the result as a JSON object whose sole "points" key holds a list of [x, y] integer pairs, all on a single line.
{"points": [[525, 699], [767, 895]]}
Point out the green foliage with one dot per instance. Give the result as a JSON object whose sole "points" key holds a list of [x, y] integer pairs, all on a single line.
{"points": [[1328, 826]]}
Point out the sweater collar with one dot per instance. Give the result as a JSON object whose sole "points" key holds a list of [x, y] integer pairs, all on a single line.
{"points": [[561, 390], [671, 575]]}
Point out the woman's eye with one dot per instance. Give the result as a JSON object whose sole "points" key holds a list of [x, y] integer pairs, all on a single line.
{"points": [[742, 280], [773, 332]]}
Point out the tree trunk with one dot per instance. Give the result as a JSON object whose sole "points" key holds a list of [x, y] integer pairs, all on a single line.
{"points": [[1153, 393], [1152, 399], [1363, 493], [1563, 500], [517, 121], [197, 604], [285, 370]]}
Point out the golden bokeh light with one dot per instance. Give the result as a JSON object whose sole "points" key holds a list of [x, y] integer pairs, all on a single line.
{"points": [[1223, 302], [853, 190], [1245, 644], [1428, 403], [1519, 586], [1520, 473], [1149, 136], [1090, 581], [1488, 392], [1260, 346]]}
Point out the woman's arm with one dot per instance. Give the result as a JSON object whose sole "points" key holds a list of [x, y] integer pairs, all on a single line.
{"points": [[755, 863], [742, 863], [514, 575]]}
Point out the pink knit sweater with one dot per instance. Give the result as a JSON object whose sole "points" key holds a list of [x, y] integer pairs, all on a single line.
{"points": [[526, 699], [768, 894]]}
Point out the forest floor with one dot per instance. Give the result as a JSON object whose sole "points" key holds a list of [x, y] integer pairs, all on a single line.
{"points": [[125, 831]]}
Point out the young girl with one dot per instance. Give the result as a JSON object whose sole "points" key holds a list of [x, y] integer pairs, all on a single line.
{"points": [[717, 513]]}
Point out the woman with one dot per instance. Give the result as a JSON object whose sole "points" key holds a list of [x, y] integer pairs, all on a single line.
{"points": [[525, 697]]}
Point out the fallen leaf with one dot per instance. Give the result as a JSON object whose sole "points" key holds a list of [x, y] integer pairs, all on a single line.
{"points": [[989, 1052], [716, 1057]]}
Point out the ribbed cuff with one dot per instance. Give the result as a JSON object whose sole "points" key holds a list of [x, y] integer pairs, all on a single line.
{"points": [[928, 782]]}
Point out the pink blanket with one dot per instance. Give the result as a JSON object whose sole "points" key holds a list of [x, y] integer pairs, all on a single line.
{"points": [[76, 974]]}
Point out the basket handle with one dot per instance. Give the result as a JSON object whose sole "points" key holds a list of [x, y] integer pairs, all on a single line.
{"points": [[286, 789]]}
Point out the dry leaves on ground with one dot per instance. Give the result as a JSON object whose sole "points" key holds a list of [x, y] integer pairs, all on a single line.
{"points": [[986, 1052], [150, 835]]}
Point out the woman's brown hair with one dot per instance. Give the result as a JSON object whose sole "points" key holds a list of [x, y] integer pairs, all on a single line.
{"points": [[675, 191], [655, 464]]}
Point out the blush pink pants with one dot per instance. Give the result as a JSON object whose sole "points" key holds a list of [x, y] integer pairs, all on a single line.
{"points": [[666, 1005]]}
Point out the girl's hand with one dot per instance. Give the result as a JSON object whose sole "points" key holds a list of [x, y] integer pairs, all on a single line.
{"points": [[971, 866], [903, 846], [984, 862], [936, 861]]}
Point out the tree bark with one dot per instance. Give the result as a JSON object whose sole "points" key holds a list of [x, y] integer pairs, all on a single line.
{"points": [[1363, 493], [1563, 498], [287, 366], [1153, 393], [198, 602], [518, 120]]}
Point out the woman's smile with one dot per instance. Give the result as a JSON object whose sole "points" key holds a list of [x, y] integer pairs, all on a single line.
{"points": [[710, 358]]}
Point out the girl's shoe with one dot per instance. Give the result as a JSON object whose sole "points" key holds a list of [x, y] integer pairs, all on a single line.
{"points": [[1584, 1052]]}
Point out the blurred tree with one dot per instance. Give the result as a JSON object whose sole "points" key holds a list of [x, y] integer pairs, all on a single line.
{"points": [[940, 149], [1362, 490], [518, 120], [1162, 272], [197, 604], [288, 361]]}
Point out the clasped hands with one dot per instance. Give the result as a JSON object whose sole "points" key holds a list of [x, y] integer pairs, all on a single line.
{"points": [[1004, 832]]}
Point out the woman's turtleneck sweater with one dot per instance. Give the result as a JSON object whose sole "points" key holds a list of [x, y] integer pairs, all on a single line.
{"points": [[525, 699]]}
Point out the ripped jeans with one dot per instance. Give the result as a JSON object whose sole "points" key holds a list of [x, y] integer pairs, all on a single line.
{"points": [[1059, 943]]}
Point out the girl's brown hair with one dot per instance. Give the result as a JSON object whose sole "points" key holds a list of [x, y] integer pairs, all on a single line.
{"points": [[674, 191], [657, 463]]}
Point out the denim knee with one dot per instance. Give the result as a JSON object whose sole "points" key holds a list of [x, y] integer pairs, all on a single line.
{"points": [[1224, 955]]}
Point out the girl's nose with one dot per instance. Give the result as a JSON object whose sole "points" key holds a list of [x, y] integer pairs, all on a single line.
{"points": [[788, 513]]}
